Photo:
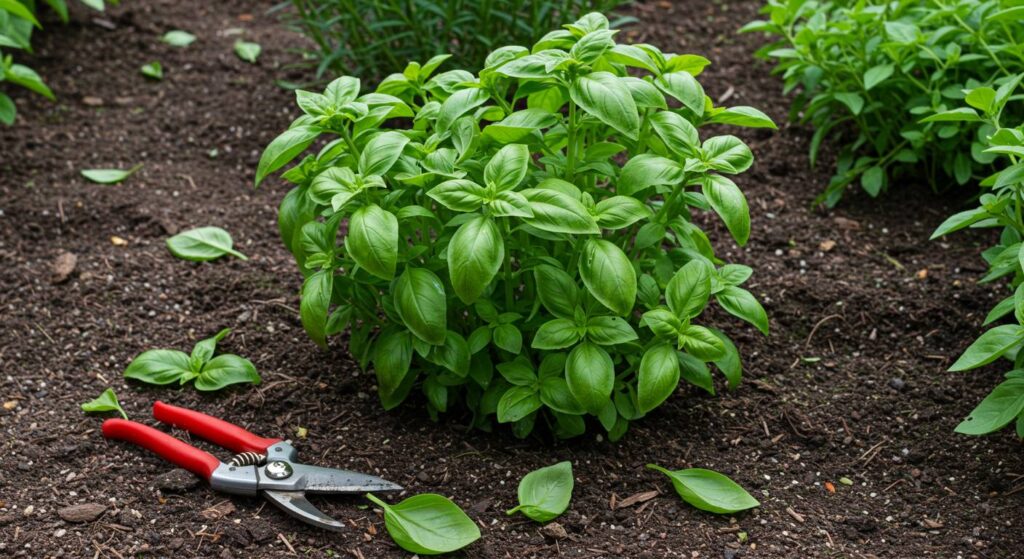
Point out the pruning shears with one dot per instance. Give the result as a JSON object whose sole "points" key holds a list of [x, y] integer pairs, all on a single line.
{"points": [[260, 466]]}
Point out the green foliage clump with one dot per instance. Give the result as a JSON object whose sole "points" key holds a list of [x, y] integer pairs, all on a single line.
{"points": [[17, 19], [482, 239], [866, 71], [372, 39], [1000, 206]]}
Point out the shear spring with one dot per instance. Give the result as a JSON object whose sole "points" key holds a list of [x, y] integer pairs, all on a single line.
{"points": [[247, 459]]}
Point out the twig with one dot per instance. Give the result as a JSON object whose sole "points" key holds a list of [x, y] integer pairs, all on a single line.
{"points": [[818, 325]]}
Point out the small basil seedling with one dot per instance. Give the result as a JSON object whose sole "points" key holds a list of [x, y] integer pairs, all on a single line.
{"points": [[544, 494], [107, 401], [168, 366]]}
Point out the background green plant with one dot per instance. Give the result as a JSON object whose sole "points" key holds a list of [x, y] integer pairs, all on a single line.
{"points": [[1000, 206], [492, 250], [865, 72], [17, 19], [373, 38]]}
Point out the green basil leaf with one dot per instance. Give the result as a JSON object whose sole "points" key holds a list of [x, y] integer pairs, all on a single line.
{"points": [[202, 244], [428, 524], [372, 240], [557, 290], [460, 103], [518, 402], [645, 171], [159, 366], [688, 291], [153, 70], [557, 212], [109, 176], [590, 374], [314, 305], [679, 135], [225, 370], [621, 211], [658, 377], [247, 50], [285, 148], [556, 334], [421, 304], [876, 75], [107, 401], [507, 168], [748, 117], [701, 343], [609, 275], [475, 255], [989, 347], [460, 195], [727, 154], [509, 338], [663, 322], [392, 356], [685, 88], [178, 38], [730, 204], [203, 350], [741, 303], [544, 494], [555, 394], [518, 372], [609, 330], [381, 152], [997, 410], [604, 96], [709, 490]]}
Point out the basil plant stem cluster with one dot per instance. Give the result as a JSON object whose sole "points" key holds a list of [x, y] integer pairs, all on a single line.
{"points": [[479, 239], [1002, 206]]}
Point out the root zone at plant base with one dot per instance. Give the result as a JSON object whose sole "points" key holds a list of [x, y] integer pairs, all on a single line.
{"points": [[854, 392]]}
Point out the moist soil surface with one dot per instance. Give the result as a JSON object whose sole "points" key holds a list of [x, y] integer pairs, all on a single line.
{"points": [[842, 428]]}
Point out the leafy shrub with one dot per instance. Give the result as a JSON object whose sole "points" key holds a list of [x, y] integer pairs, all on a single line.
{"points": [[495, 252], [17, 18], [372, 39], [1000, 206], [867, 71]]}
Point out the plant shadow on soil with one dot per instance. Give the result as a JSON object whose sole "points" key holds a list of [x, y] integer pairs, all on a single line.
{"points": [[850, 384]]}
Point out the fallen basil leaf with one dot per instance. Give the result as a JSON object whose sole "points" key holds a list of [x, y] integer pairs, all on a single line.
{"points": [[709, 490], [428, 524], [109, 176], [225, 370], [544, 494], [178, 38], [153, 70], [107, 401], [247, 51], [159, 366], [202, 244]]}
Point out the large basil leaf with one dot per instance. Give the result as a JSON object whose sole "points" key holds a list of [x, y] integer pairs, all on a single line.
{"points": [[558, 212], [604, 96], [544, 494], [557, 290], [421, 304], [590, 374], [688, 291], [475, 255], [284, 148], [658, 377], [609, 275], [381, 153], [709, 490], [428, 524], [372, 240]]}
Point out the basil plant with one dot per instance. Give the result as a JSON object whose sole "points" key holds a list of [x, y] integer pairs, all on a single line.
{"points": [[521, 241]]}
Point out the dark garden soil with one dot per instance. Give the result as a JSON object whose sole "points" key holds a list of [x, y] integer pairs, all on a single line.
{"points": [[843, 427]]}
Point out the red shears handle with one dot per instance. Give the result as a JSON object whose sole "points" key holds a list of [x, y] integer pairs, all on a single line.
{"points": [[167, 447], [217, 431]]}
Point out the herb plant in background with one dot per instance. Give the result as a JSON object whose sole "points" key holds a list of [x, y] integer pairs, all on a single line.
{"points": [[1001, 206], [482, 241], [371, 38], [17, 20], [864, 73], [169, 366]]}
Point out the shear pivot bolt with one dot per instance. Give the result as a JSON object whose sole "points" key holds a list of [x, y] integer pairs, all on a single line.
{"points": [[278, 470]]}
